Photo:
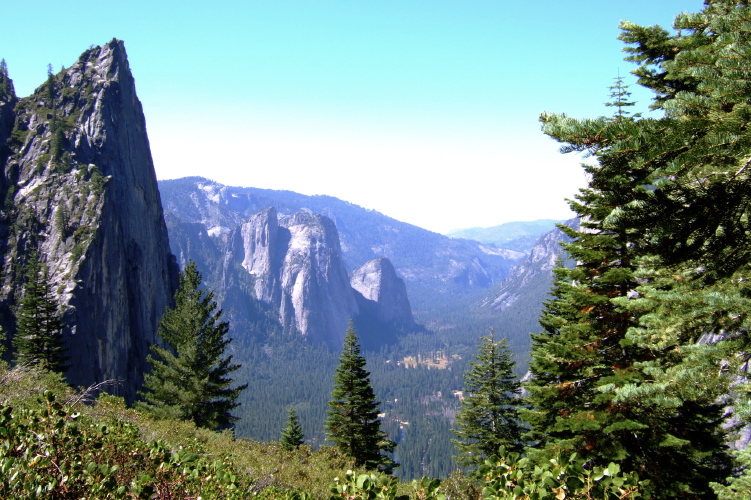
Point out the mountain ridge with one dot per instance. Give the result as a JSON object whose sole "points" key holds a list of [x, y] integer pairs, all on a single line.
{"points": [[516, 235], [434, 267]]}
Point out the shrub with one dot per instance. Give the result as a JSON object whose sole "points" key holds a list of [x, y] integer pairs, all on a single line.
{"points": [[513, 478]]}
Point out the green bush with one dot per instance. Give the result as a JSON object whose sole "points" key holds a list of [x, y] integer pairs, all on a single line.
{"points": [[513, 478], [380, 486], [51, 452]]}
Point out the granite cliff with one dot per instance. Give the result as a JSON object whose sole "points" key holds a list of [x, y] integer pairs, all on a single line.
{"points": [[381, 293], [78, 186], [296, 266], [293, 264]]}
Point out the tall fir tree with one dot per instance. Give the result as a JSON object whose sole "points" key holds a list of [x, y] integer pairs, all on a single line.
{"points": [[6, 84], [489, 417], [353, 424], [39, 331], [292, 436], [616, 370], [190, 379], [620, 95]]}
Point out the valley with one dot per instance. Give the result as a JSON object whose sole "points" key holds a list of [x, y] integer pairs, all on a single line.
{"points": [[417, 345], [191, 338]]}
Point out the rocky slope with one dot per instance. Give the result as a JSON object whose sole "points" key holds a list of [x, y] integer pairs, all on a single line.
{"points": [[517, 301], [79, 186], [532, 274]]}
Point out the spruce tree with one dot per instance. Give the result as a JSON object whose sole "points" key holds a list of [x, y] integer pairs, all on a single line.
{"points": [[353, 424], [489, 416], [6, 84], [39, 337], [292, 436], [190, 379]]}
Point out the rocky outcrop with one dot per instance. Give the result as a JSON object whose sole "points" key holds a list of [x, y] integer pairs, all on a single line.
{"points": [[81, 189], [382, 293], [314, 282], [264, 249], [296, 265], [435, 268]]}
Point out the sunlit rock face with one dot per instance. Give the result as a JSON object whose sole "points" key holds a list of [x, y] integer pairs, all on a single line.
{"points": [[297, 267], [80, 188]]}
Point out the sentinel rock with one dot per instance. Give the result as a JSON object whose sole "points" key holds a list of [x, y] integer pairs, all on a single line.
{"points": [[80, 188], [382, 293]]}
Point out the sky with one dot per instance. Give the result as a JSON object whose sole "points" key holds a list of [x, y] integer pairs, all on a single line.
{"points": [[424, 110]]}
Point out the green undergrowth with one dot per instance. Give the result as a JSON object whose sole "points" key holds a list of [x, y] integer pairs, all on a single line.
{"points": [[57, 442], [61, 443]]}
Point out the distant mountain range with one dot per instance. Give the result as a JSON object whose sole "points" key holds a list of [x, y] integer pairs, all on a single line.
{"points": [[435, 268], [454, 286], [520, 236]]}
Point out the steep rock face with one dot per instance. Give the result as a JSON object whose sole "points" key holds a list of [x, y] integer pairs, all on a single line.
{"points": [[265, 246], [82, 191], [296, 265], [314, 280], [381, 292]]}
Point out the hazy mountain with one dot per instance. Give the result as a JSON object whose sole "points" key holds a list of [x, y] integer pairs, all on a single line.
{"points": [[520, 236], [436, 269], [518, 300]]}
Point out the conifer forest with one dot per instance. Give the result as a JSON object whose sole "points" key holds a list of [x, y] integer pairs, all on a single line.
{"points": [[635, 384]]}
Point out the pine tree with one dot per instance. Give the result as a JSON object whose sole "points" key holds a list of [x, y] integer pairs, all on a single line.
{"points": [[50, 87], [39, 338], [488, 417], [292, 436], [190, 379], [353, 423], [6, 84]]}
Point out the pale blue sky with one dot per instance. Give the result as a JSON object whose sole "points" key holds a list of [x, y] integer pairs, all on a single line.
{"points": [[423, 110]]}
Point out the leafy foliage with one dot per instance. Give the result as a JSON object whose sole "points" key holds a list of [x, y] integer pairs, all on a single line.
{"points": [[50, 452], [510, 477], [191, 382], [382, 486]]}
